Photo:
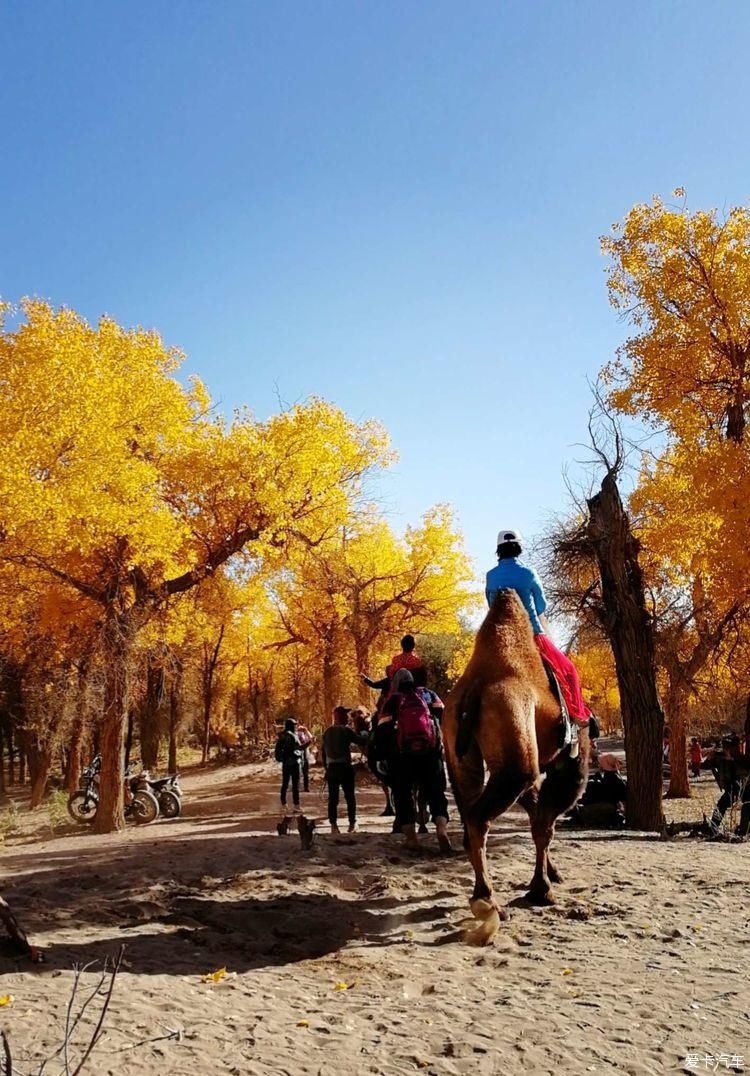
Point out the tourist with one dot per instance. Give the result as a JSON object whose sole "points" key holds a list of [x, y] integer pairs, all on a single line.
{"points": [[289, 753], [415, 760], [337, 759], [510, 574], [305, 740], [696, 756]]}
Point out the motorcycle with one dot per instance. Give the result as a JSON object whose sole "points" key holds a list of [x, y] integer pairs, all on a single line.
{"points": [[168, 793], [140, 803], [83, 803]]}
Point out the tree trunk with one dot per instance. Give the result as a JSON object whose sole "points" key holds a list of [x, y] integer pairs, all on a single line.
{"points": [[116, 644], [362, 658], [676, 708], [73, 765], [174, 721], [39, 773], [12, 688], [149, 714], [128, 738], [2, 759], [210, 661], [11, 753], [630, 632], [21, 764], [330, 682], [207, 700]]}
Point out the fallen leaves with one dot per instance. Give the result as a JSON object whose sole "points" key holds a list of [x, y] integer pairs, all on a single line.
{"points": [[6, 999], [214, 976]]}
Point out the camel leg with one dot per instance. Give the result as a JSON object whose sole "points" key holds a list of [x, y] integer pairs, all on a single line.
{"points": [[467, 780], [559, 791], [501, 791], [546, 871]]}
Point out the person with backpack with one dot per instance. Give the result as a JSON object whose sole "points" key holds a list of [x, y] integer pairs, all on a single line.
{"points": [[416, 760], [337, 759], [305, 740], [288, 752]]}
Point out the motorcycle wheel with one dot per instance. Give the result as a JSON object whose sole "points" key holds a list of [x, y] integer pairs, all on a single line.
{"points": [[170, 804], [145, 808], [82, 807]]}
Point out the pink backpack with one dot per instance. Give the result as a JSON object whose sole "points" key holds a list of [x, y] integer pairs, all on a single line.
{"points": [[416, 731]]}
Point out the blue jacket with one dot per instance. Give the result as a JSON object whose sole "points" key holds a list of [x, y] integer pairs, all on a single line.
{"points": [[511, 575]]}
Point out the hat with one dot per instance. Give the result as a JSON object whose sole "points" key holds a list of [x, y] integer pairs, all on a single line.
{"points": [[509, 536]]}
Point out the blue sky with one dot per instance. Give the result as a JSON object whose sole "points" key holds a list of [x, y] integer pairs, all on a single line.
{"points": [[392, 205]]}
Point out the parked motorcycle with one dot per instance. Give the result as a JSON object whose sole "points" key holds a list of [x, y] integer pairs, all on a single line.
{"points": [[83, 803], [169, 794], [140, 803]]}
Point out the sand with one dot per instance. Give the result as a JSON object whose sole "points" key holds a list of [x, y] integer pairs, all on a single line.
{"points": [[346, 959]]}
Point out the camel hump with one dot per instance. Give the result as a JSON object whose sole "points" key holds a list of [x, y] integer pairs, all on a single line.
{"points": [[505, 640]]}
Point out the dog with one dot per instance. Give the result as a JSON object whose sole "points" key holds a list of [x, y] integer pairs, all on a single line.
{"points": [[306, 829]]}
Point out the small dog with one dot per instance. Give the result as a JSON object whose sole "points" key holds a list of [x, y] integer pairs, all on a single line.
{"points": [[306, 828]]}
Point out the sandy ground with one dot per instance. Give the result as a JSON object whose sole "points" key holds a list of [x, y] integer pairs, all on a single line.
{"points": [[346, 959]]}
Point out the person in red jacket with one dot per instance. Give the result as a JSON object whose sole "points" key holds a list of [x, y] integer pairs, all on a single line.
{"points": [[696, 756], [407, 659]]}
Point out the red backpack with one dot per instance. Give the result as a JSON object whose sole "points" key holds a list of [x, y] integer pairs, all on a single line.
{"points": [[416, 731]]}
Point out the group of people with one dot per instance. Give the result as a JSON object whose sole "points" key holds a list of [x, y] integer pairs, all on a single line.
{"points": [[402, 738], [401, 742], [730, 767]]}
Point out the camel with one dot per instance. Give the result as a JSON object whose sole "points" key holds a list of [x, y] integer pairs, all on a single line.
{"points": [[502, 717]]}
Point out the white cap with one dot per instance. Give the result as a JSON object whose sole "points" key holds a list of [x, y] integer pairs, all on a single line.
{"points": [[509, 536]]}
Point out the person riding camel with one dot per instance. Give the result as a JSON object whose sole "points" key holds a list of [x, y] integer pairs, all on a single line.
{"points": [[407, 659], [510, 574]]}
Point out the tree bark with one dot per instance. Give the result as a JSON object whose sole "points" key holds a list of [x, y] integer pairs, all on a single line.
{"points": [[630, 631]]}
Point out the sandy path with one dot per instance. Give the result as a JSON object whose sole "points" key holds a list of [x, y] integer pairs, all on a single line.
{"points": [[644, 959]]}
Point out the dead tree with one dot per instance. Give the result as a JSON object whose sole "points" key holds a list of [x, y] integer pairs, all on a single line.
{"points": [[600, 554]]}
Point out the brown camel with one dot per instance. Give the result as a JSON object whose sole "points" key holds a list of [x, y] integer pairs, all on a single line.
{"points": [[503, 716]]}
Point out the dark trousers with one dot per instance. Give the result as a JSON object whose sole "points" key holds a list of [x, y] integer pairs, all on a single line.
{"points": [[425, 774], [306, 772], [290, 773], [340, 776]]}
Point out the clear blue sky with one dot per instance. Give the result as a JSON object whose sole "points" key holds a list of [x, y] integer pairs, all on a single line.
{"points": [[393, 205]]}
